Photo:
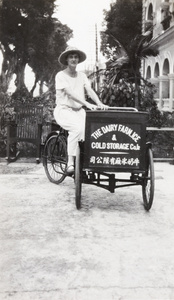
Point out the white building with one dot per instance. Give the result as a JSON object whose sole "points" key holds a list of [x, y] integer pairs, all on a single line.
{"points": [[160, 69]]}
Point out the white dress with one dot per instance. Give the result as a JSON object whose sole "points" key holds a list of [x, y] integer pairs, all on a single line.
{"points": [[68, 113]]}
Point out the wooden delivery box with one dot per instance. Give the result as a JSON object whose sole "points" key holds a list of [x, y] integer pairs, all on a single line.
{"points": [[115, 141]]}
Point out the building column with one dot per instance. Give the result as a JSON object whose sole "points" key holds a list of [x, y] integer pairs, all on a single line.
{"points": [[163, 92], [171, 91], [155, 82]]}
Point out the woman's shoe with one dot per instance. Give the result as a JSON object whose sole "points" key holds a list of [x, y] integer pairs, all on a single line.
{"points": [[70, 170]]}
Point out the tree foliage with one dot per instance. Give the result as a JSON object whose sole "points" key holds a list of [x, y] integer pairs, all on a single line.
{"points": [[123, 21], [123, 70], [125, 46], [30, 35]]}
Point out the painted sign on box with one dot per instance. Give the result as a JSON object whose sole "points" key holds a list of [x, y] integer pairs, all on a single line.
{"points": [[115, 144]]}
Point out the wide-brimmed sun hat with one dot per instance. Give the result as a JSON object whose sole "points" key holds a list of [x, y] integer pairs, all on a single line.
{"points": [[69, 50]]}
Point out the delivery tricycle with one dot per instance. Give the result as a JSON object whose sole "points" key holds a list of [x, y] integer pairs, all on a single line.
{"points": [[115, 143]]}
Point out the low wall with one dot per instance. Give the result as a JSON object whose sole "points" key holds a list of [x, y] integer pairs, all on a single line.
{"points": [[163, 142]]}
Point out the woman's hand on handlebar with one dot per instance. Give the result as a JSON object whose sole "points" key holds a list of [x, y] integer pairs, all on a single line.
{"points": [[102, 106], [91, 106]]}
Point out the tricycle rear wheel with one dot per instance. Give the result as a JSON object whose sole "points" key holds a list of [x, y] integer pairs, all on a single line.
{"points": [[55, 158], [148, 181]]}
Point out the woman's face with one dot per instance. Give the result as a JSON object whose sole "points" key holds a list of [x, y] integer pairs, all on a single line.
{"points": [[73, 59]]}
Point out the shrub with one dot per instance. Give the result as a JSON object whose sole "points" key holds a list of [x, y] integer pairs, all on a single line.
{"points": [[7, 113], [122, 94]]}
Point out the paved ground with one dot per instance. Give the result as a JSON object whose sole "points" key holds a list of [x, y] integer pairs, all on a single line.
{"points": [[111, 249]]}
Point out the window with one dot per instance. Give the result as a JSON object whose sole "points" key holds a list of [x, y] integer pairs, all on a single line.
{"points": [[148, 73], [165, 15]]}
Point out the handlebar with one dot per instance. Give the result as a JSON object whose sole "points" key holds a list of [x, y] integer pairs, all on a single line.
{"points": [[119, 108], [123, 108]]}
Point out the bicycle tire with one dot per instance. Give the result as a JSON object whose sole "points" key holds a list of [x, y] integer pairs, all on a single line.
{"points": [[78, 179], [55, 158], [149, 181]]}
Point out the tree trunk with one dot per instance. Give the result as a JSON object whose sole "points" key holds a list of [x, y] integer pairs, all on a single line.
{"points": [[41, 87], [19, 82], [136, 90], [8, 68], [34, 86]]}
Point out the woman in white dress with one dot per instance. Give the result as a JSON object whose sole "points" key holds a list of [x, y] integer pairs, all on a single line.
{"points": [[70, 100]]}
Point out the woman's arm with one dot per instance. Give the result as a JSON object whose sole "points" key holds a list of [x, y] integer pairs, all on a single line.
{"points": [[76, 98], [94, 97]]}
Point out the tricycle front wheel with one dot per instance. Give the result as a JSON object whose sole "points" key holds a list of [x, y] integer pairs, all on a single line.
{"points": [[78, 178], [148, 181]]}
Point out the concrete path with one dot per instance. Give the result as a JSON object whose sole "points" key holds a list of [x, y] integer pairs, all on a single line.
{"points": [[110, 249]]}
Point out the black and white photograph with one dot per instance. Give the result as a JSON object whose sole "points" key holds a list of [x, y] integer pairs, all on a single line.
{"points": [[86, 149]]}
